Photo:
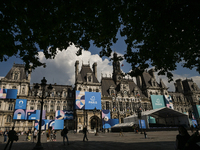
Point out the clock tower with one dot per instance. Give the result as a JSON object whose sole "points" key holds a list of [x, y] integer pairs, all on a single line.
{"points": [[117, 73]]}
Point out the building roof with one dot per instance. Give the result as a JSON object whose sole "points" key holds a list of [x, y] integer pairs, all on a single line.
{"points": [[83, 74], [17, 67]]}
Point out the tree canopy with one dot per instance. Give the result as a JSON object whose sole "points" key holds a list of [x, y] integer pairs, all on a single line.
{"points": [[158, 33]]}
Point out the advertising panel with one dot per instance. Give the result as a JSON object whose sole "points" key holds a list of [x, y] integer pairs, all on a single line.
{"points": [[114, 122], [64, 114], [19, 114], [157, 101], [80, 100], [168, 101], [20, 104], [142, 123], [34, 114], [88, 100], [92, 100], [2, 94], [58, 125], [106, 119], [11, 94], [55, 124]]}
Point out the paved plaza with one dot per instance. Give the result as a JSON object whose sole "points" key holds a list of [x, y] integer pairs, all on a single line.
{"points": [[157, 140]]}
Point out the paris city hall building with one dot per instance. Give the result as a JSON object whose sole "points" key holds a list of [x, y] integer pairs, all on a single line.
{"points": [[121, 96]]}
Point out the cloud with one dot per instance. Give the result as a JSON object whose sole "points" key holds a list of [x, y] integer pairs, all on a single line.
{"points": [[171, 86], [61, 69]]}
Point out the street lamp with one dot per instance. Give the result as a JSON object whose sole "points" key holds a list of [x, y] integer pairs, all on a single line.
{"points": [[43, 84], [94, 111]]}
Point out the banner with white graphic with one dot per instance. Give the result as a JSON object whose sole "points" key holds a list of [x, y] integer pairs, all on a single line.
{"points": [[157, 101]]}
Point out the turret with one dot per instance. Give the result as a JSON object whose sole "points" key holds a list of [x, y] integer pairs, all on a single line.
{"points": [[94, 66]]}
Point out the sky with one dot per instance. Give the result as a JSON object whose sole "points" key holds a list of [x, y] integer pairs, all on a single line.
{"points": [[61, 70]]}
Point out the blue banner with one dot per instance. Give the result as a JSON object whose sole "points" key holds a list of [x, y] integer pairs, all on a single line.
{"points": [[58, 125], [19, 114], [92, 100], [46, 124], [157, 101], [64, 114], [20, 104], [33, 114], [142, 122], [11, 94]]}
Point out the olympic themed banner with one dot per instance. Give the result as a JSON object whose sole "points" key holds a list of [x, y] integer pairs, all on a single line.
{"points": [[157, 101], [80, 100], [55, 124], [107, 122], [196, 109], [168, 101], [106, 119], [8, 93], [142, 124], [64, 115], [88, 100], [19, 114], [2, 94], [20, 104], [34, 114]]}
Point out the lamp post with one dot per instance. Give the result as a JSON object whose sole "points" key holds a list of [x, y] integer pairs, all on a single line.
{"points": [[43, 84], [94, 111]]}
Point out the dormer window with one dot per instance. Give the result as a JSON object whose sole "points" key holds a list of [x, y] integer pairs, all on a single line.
{"points": [[89, 77], [16, 75]]}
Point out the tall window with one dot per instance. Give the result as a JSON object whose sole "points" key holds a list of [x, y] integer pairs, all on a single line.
{"points": [[15, 76], [10, 107], [51, 117], [45, 107], [58, 107], [31, 108], [8, 118], [120, 105], [70, 94], [64, 94], [89, 79], [90, 90], [51, 108], [107, 105], [64, 108], [38, 107]]}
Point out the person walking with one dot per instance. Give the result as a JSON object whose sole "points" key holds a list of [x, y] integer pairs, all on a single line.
{"points": [[85, 133], [12, 135], [65, 131], [5, 134], [34, 135], [145, 134], [121, 132]]}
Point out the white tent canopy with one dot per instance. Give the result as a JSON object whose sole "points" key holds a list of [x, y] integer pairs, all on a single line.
{"points": [[163, 115]]}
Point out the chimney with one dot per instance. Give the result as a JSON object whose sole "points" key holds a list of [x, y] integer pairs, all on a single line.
{"points": [[94, 66], [76, 69]]}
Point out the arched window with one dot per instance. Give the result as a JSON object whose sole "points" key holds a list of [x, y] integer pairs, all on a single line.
{"points": [[58, 107], [90, 90], [97, 90], [64, 108], [79, 89], [10, 107], [23, 90], [8, 118], [51, 117], [14, 87], [16, 76]]}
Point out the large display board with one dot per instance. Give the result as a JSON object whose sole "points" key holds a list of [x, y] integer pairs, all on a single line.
{"points": [[168, 101], [107, 122], [157, 101], [88, 100], [20, 109], [8, 93], [55, 124], [64, 115], [35, 114]]}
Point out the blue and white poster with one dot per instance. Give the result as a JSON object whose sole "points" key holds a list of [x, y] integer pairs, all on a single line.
{"points": [[20, 104], [34, 114], [157, 101], [92, 100], [64, 114], [58, 125], [142, 124], [19, 114]]}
